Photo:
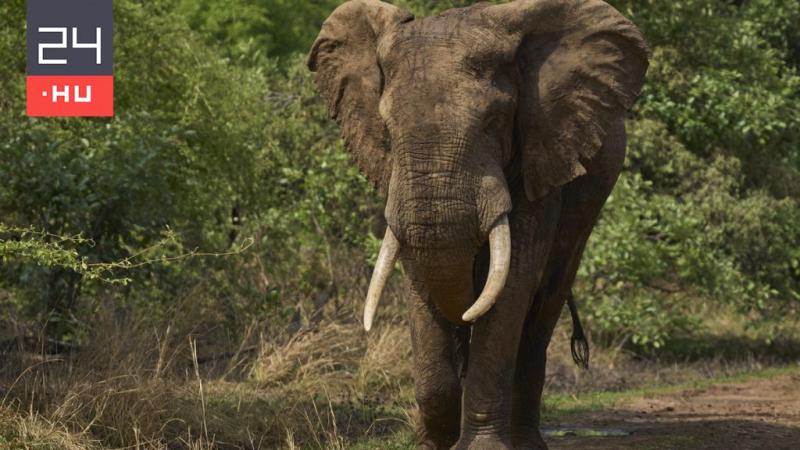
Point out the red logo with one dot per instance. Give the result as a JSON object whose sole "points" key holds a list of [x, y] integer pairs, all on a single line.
{"points": [[70, 96]]}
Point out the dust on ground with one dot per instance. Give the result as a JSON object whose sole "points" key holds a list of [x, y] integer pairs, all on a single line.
{"points": [[755, 414]]}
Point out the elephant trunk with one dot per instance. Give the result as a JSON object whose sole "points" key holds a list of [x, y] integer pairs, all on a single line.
{"points": [[444, 201]]}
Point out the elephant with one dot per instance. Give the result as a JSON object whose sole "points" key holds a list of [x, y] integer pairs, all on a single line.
{"points": [[495, 132]]}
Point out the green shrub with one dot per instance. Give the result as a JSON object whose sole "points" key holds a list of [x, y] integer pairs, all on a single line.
{"points": [[193, 139], [220, 140], [679, 233]]}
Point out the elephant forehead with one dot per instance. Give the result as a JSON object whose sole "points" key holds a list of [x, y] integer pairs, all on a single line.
{"points": [[437, 42]]}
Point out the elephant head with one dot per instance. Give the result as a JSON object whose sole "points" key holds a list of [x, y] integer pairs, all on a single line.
{"points": [[455, 116]]}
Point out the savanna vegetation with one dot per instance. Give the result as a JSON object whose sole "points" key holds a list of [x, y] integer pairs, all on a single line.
{"points": [[190, 273]]}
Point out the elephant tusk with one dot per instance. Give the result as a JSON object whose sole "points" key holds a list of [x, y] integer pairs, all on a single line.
{"points": [[387, 256], [499, 263]]}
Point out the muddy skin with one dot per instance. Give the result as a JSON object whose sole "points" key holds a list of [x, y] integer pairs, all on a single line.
{"points": [[468, 121]]}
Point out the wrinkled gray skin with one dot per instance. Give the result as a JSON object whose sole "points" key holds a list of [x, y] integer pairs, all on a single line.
{"points": [[492, 111]]}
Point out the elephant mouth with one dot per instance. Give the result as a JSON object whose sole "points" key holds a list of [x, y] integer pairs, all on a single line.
{"points": [[499, 264]]}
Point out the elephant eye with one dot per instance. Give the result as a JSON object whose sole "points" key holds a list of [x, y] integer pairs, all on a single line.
{"points": [[492, 123]]}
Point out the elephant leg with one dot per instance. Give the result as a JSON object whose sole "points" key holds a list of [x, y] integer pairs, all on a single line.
{"points": [[582, 201], [439, 349], [488, 386], [539, 325], [531, 364]]}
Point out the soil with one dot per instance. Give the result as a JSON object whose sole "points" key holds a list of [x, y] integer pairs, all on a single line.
{"points": [[756, 414]]}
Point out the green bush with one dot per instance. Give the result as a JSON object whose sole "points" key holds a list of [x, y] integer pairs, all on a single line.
{"points": [[220, 145], [250, 31], [194, 138]]}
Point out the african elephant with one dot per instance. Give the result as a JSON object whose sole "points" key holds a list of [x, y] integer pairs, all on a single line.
{"points": [[496, 133]]}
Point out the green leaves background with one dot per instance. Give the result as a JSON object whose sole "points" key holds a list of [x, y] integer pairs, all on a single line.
{"points": [[216, 112]]}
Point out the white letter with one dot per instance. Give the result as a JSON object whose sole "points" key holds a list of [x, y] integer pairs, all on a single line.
{"points": [[64, 93], [96, 45], [43, 46], [87, 99]]}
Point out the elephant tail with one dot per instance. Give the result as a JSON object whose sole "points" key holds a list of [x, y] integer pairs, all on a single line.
{"points": [[578, 344]]}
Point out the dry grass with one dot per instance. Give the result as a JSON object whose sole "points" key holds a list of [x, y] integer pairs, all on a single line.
{"points": [[325, 384], [311, 360], [19, 429], [727, 346]]}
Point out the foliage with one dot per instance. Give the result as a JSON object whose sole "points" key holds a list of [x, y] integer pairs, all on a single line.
{"points": [[686, 230], [195, 140], [720, 87], [710, 199], [219, 140], [251, 31]]}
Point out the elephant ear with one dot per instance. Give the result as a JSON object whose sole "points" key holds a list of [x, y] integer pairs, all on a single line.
{"points": [[582, 64], [349, 79]]}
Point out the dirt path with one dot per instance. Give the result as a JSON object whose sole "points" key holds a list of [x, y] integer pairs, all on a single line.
{"points": [[757, 414]]}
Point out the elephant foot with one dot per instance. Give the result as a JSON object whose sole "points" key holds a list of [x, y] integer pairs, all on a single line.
{"points": [[429, 444], [483, 442], [529, 440], [435, 441]]}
